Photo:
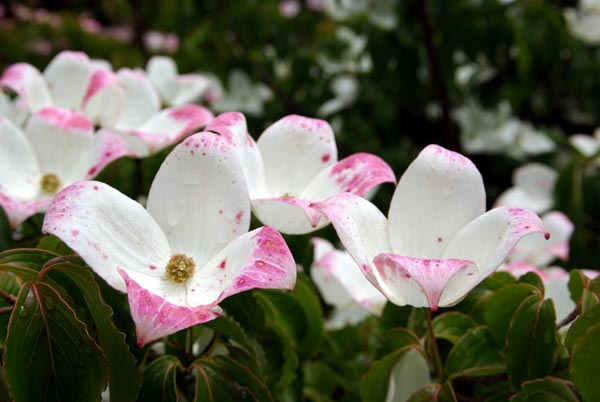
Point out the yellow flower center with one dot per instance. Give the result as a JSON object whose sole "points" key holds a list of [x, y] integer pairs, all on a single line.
{"points": [[180, 268], [50, 183], [287, 195]]}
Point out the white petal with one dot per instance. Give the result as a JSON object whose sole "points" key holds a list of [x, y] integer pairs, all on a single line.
{"points": [[172, 125], [19, 170], [586, 145], [409, 374], [109, 231], [294, 150], [439, 193], [535, 177], [29, 83], [64, 142], [162, 71], [68, 76], [140, 100], [540, 252], [356, 174], [259, 259], [233, 126], [522, 198], [156, 317], [361, 228], [288, 215], [103, 99], [199, 197], [110, 146], [488, 240], [340, 280]]}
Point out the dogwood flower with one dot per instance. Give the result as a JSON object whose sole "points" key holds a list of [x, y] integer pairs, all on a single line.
{"points": [[380, 13], [586, 145], [497, 131], [345, 88], [294, 163], [410, 373], [189, 250], [533, 187], [175, 89], [70, 81], [584, 22], [56, 148], [437, 243], [13, 109], [343, 285], [145, 127], [242, 94], [355, 58]]}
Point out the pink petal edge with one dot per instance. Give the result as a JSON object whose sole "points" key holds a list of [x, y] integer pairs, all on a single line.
{"points": [[270, 266], [432, 275], [155, 317], [359, 173], [18, 211]]}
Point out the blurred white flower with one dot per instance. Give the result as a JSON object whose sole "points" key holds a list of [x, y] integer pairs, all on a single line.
{"points": [[498, 132], [173, 88], [410, 373], [289, 8], [343, 286], [381, 13], [345, 90], [13, 109], [533, 187], [584, 22], [586, 145], [354, 59], [158, 42], [242, 95], [476, 72]]}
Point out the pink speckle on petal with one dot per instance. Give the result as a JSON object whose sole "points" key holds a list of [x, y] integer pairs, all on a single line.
{"points": [[239, 216], [152, 267], [223, 264], [439, 239], [75, 232], [325, 158]]}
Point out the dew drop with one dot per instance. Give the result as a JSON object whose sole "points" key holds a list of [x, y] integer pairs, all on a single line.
{"points": [[24, 312]]}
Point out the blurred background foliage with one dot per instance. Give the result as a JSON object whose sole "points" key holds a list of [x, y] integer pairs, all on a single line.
{"points": [[409, 78]]}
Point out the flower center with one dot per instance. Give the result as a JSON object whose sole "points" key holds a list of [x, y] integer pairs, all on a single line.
{"points": [[287, 195], [180, 268], [50, 183]]}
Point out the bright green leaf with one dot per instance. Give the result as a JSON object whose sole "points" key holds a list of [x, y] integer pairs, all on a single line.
{"points": [[581, 325]]}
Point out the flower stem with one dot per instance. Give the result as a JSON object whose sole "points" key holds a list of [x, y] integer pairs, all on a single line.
{"points": [[433, 349]]}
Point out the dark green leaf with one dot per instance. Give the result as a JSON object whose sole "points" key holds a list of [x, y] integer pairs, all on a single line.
{"points": [[5, 232], [125, 377], [395, 339], [375, 383], [500, 308], [245, 309], [533, 279], [49, 353], [452, 326], [585, 364], [580, 292], [53, 244], [531, 341], [425, 394], [545, 390], [476, 354], [581, 325], [213, 384], [160, 380]]}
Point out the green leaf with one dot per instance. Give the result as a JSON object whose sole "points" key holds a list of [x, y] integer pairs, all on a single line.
{"points": [[214, 383], [245, 309], [452, 326], [425, 394], [375, 383], [531, 341], [585, 365], [5, 232], [547, 389], [160, 380], [474, 304], [580, 293], [125, 377], [533, 279], [395, 339], [53, 244], [581, 325], [244, 375], [476, 354], [500, 308], [49, 353]]}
